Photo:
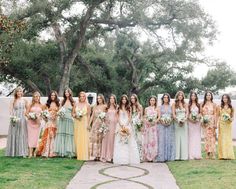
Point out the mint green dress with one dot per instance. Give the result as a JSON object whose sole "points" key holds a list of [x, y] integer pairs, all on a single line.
{"points": [[181, 137], [64, 142]]}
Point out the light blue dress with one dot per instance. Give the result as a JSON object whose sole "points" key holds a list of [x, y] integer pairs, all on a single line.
{"points": [[166, 138]]}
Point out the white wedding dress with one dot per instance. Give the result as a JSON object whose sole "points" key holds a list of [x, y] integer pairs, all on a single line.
{"points": [[125, 153]]}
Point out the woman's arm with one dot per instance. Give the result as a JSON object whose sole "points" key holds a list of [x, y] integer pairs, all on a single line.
{"points": [[173, 111]]}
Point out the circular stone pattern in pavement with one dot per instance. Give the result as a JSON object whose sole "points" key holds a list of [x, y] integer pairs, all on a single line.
{"points": [[122, 184], [124, 172]]}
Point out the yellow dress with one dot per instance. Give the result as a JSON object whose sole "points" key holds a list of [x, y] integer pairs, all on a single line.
{"points": [[225, 144], [81, 135]]}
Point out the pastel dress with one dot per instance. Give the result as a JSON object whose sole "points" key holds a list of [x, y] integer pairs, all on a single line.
{"points": [[194, 136], [138, 134], [47, 142], [150, 137], [34, 127], [209, 130], [81, 135], [109, 138], [95, 144], [166, 138], [17, 139], [125, 152], [181, 136], [225, 144], [64, 141]]}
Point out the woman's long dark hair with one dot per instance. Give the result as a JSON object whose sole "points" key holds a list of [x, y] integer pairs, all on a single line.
{"points": [[127, 105], [191, 102], [229, 103], [109, 104], [49, 101], [205, 96], [177, 99], [136, 104], [162, 98], [72, 102]]}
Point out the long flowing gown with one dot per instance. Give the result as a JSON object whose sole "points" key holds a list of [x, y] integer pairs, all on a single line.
{"points": [[17, 144], [166, 142], [109, 138], [138, 134], [209, 130], [95, 144], [64, 142], [150, 138], [81, 136], [194, 137], [34, 127], [225, 144], [181, 136], [125, 153], [46, 145]]}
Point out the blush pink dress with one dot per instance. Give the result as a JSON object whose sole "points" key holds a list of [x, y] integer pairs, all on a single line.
{"points": [[108, 139], [34, 127]]}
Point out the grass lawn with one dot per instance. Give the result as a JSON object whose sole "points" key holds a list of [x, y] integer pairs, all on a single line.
{"points": [[195, 174], [36, 173]]}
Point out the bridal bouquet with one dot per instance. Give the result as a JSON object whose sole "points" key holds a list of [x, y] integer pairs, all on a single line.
{"points": [[45, 114], [151, 118], [62, 112], [166, 119], [32, 116], [102, 115], [14, 120], [194, 116], [103, 129], [205, 119], [124, 133], [137, 123], [181, 120], [226, 117], [79, 114]]}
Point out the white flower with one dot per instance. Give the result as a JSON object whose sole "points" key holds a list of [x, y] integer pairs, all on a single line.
{"points": [[79, 114], [194, 115], [103, 129], [45, 114], [151, 118], [205, 119], [226, 117], [62, 112], [14, 119], [102, 115], [32, 115], [166, 119], [137, 123]]}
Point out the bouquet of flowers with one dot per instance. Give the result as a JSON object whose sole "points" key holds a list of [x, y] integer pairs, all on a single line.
{"points": [[102, 115], [194, 116], [137, 123], [79, 114], [226, 117], [62, 112], [45, 114], [32, 116], [181, 120], [205, 119], [103, 129], [14, 120], [124, 133], [166, 119], [151, 118]]}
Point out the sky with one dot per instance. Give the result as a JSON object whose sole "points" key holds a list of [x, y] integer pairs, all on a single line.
{"points": [[223, 12]]}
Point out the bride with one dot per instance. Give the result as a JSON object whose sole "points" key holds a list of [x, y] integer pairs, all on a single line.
{"points": [[125, 146]]}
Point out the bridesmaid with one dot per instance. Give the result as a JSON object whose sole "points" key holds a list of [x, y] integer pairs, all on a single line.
{"points": [[225, 144], [208, 109], [111, 121], [180, 112], [81, 113], [64, 142], [166, 130], [34, 124], [46, 146], [150, 134], [17, 144], [95, 146], [194, 127], [137, 117]]}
